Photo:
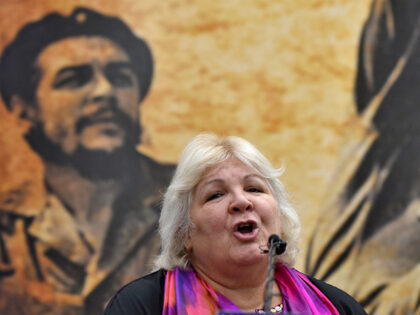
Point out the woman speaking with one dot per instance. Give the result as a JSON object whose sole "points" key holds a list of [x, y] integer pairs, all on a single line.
{"points": [[224, 202]]}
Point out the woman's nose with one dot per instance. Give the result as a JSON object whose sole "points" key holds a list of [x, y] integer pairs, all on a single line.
{"points": [[240, 202]]}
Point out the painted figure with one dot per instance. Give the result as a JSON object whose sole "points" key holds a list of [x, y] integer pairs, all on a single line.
{"points": [[369, 238], [78, 82]]}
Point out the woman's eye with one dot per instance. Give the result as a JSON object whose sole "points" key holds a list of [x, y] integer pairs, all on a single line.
{"points": [[254, 189], [214, 196]]}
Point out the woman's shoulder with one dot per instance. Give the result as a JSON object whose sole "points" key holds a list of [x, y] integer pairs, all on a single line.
{"points": [[141, 296], [344, 302]]}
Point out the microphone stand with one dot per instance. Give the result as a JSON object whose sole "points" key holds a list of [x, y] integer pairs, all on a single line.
{"points": [[276, 247]]}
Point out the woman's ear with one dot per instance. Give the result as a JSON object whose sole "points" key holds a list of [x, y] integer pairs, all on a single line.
{"points": [[188, 244]]}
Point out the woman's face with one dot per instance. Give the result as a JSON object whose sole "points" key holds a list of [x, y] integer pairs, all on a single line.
{"points": [[233, 214]]}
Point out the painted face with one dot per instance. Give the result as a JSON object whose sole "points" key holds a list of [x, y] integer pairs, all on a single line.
{"points": [[233, 212], [87, 95]]}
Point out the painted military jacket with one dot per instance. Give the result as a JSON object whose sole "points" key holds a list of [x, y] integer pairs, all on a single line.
{"points": [[49, 266]]}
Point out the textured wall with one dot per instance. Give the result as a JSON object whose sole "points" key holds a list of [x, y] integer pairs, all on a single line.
{"points": [[279, 73]]}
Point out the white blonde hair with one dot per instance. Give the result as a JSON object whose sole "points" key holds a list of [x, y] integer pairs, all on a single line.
{"points": [[202, 152]]}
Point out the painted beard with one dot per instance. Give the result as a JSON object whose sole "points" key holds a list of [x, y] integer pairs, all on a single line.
{"points": [[91, 163]]}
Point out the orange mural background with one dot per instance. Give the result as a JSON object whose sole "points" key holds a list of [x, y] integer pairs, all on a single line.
{"points": [[280, 74]]}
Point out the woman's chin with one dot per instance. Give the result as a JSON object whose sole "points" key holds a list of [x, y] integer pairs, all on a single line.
{"points": [[249, 255]]}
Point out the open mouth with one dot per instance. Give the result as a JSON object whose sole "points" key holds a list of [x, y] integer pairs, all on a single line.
{"points": [[246, 228]]}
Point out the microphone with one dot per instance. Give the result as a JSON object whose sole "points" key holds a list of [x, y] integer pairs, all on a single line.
{"points": [[274, 240], [276, 246], [279, 245]]}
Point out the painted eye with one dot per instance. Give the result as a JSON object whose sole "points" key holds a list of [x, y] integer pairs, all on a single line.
{"points": [[73, 77], [120, 79], [120, 74]]}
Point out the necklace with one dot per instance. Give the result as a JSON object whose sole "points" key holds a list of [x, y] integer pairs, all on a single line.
{"points": [[273, 310]]}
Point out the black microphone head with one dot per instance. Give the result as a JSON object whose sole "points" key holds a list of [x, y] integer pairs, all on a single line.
{"points": [[274, 238], [275, 241]]}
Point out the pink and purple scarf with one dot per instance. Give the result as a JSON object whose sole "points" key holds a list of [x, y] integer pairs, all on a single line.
{"points": [[187, 293]]}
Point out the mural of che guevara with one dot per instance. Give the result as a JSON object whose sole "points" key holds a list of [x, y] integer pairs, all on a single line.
{"points": [[368, 240], [77, 81]]}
